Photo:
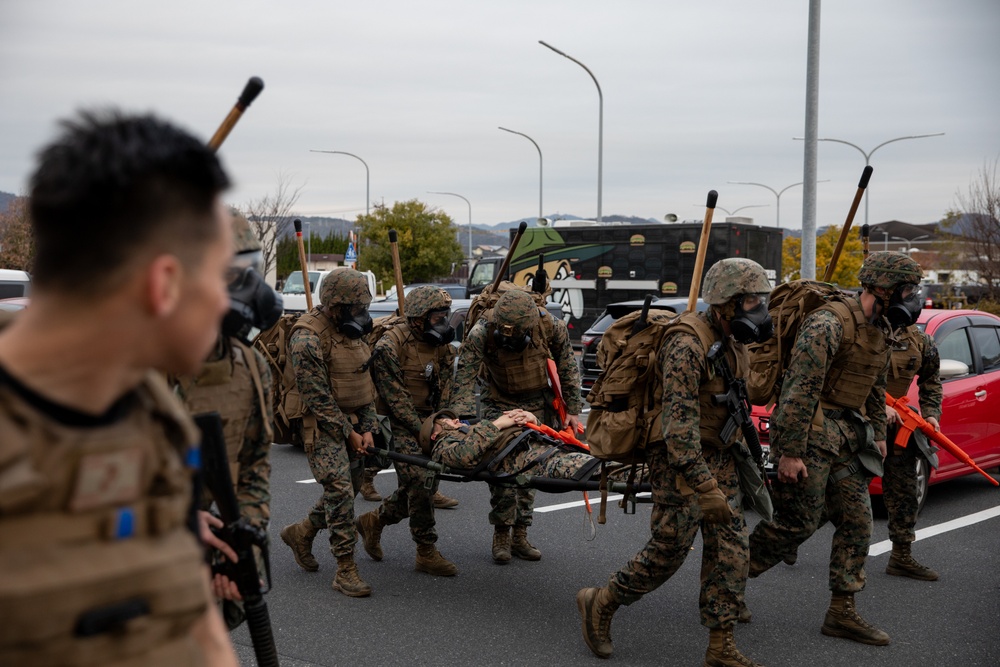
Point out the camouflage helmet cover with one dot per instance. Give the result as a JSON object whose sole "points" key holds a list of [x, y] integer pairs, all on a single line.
{"points": [[426, 445], [243, 236], [424, 299], [887, 269], [345, 286], [733, 276], [516, 308]]}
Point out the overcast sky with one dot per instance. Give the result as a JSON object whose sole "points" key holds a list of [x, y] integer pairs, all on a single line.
{"points": [[695, 94]]}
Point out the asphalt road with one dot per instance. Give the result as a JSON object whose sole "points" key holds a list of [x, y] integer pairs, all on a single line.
{"points": [[525, 614]]}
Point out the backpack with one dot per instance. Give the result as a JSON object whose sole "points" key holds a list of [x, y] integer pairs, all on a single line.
{"points": [[273, 344], [626, 399], [790, 303], [379, 327], [482, 305]]}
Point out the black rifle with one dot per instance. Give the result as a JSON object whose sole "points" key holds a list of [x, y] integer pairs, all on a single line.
{"points": [[540, 279], [738, 403], [238, 533]]}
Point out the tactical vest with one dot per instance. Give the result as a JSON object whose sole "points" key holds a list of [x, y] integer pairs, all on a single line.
{"points": [[907, 355], [519, 372], [230, 386], [712, 416], [97, 565], [421, 364], [858, 362], [351, 388]]}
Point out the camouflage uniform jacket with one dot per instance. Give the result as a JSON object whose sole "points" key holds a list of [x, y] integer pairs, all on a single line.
{"points": [[792, 425], [684, 367], [312, 376], [915, 348], [391, 385], [470, 368]]}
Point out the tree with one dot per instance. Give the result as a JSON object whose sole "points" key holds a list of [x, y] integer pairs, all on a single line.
{"points": [[851, 257], [287, 251], [428, 246], [271, 217], [980, 224], [17, 244]]}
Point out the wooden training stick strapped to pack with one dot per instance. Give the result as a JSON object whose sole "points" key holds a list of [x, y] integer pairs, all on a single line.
{"points": [[502, 273], [862, 184], [249, 94], [302, 264], [397, 269], [699, 262]]}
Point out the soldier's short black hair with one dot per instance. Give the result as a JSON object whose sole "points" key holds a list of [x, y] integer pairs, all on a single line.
{"points": [[112, 187]]}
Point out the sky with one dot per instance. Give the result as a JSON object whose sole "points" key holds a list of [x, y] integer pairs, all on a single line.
{"points": [[696, 94]]}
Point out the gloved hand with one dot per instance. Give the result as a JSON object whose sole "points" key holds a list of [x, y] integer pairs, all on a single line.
{"points": [[713, 503]]}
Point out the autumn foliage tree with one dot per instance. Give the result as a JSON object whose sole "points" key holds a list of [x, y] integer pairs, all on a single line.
{"points": [[851, 257], [428, 246], [17, 245]]}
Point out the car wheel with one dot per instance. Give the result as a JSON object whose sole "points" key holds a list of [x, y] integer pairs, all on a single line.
{"points": [[923, 480]]}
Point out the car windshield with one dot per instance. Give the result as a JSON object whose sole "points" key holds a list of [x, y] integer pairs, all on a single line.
{"points": [[293, 283]]}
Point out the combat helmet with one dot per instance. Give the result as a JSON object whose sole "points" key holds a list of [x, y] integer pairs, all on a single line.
{"points": [[345, 287], [424, 299], [248, 249], [426, 445], [732, 276], [887, 269], [517, 310]]}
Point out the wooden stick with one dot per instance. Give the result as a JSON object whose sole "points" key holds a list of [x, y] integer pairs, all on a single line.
{"points": [[862, 184], [302, 264], [249, 94], [398, 268], [699, 262]]}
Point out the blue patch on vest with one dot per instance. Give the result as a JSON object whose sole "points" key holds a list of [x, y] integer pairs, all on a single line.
{"points": [[192, 458], [124, 523]]}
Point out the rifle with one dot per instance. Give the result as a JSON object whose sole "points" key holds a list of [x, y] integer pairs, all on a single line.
{"points": [[738, 403], [912, 421], [238, 533], [541, 278]]}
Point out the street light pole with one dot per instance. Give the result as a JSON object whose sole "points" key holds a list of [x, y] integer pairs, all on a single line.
{"points": [[869, 154], [737, 210], [367, 174], [539, 166], [777, 195], [432, 192], [600, 124]]}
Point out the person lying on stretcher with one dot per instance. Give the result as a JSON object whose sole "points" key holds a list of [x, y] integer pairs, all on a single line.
{"points": [[456, 444]]}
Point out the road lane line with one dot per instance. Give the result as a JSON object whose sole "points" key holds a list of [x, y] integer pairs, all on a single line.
{"points": [[579, 503], [387, 471], [931, 531]]}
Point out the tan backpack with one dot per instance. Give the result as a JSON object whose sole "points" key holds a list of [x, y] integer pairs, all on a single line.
{"points": [[273, 344], [484, 302]]}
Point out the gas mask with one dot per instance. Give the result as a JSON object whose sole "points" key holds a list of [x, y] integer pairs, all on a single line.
{"points": [[438, 334], [905, 305], [507, 337], [754, 325], [354, 321], [253, 306]]}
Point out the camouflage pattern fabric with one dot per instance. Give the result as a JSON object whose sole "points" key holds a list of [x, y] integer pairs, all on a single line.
{"points": [[411, 499], [732, 276], [514, 506], [243, 236], [338, 470], [887, 269], [467, 447], [345, 286], [424, 299], [824, 450], [517, 309], [676, 516]]}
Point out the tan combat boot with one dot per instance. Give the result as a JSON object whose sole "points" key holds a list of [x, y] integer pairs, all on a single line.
{"points": [[501, 544], [348, 581], [299, 537], [722, 651], [596, 609], [430, 560], [521, 547], [902, 564], [368, 490], [369, 526], [745, 615], [443, 502], [842, 620]]}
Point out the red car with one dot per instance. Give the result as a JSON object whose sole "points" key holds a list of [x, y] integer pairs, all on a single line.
{"points": [[969, 344]]}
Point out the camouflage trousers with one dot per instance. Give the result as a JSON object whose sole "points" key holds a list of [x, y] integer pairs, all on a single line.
{"points": [[512, 507], [799, 511], [412, 498], [899, 490], [340, 473], [470, 451], [674, 524]]}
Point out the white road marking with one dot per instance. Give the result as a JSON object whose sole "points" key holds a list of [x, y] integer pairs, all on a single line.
{"points": [[579, 503], [387, 471], [931, 531]]}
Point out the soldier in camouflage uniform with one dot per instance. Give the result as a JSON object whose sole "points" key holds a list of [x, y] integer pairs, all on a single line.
{"points": [[413, 365], [509, 349], [692, 471], [326, 349], [817, 432], [235, 381]]}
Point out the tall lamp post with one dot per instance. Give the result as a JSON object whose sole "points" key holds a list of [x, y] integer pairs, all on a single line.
{"points": [[777, 195], [453, 194], [539, 165], [600, 124], [869, 154], [367, 174], [735, 210]]}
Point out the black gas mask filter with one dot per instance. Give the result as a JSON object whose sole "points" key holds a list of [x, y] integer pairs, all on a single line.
{"points": [[506, 337], [754, 325], [905, 305], [253, 306], [438, 334], [354, 321]]}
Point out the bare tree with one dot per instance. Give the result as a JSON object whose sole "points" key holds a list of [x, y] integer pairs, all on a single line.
{"points": [[271, 216], [980, 205]]}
